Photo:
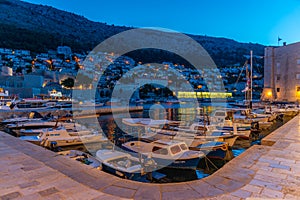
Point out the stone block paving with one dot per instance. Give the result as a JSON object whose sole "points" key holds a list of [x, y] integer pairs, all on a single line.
{"points": [[268, 171]]}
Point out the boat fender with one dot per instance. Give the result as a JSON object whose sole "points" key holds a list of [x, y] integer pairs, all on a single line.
{"points": [[224, 148]]}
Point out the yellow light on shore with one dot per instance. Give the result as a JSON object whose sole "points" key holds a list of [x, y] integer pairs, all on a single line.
{"points": [[298, 94], [221, 95], [269, 94]]}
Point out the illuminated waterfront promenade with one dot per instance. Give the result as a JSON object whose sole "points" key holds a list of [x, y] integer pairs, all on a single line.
{"points": [[31, 172]]}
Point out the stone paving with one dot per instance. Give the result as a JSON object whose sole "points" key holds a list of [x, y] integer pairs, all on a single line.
{"points": [[269, 171]]}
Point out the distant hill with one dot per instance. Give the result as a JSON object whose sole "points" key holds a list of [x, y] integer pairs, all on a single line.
{"points": [[40, 28]]}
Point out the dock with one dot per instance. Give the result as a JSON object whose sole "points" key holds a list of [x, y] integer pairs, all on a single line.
{"points": [[267, 171]]}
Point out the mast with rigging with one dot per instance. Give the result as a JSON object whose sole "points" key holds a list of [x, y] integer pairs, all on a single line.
{"points": [[251, 78]]}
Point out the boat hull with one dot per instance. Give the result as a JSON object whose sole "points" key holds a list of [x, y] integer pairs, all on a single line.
{"points": [[120, 173], [213, 150], [191, 163], [179, 163]]}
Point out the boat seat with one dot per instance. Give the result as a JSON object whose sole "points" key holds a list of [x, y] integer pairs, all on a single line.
{"points": [[125, 163]]}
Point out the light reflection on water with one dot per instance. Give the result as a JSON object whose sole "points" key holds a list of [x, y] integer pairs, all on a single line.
{"points": [[238, 151]]}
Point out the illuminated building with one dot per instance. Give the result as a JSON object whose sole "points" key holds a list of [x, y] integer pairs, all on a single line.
{"points": [[282, 73], [205, 95]]}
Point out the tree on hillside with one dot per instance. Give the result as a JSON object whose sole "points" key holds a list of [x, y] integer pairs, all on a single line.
{"points": [[68, 83]]}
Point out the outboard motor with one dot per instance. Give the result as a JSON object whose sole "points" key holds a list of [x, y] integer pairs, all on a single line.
{"points": [[54, 147], [255, 126]]}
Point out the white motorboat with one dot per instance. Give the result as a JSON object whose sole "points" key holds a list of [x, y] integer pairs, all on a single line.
{"points": [[289, 110], [120, 163], [167, 153], [60, 137], [71, 129], [34, 128], [32, 116]]}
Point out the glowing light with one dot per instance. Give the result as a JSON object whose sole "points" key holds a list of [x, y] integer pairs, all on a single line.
{"points": [[269, 94], [298, 94], [221, 95], [48, 61]]}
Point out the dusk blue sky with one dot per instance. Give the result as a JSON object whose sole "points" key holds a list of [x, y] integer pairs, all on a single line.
{"points": [[257, 21]]}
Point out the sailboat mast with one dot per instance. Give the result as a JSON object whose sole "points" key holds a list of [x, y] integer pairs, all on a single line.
{"points": [[251, 75], [247, 93]]}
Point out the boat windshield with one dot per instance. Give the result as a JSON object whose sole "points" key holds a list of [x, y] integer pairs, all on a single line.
{"points": [[220, 114], [175, 149], [183, 147], [41, 134], [159, 150]]}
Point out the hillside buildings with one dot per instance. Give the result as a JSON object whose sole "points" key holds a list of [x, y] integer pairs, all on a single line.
{"points": [[282, 73], [27, 74]]}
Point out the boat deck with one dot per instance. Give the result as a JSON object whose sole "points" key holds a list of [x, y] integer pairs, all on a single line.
{"points": [[31, 172]]}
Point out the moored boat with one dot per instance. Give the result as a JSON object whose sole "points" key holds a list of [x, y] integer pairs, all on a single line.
{"points": [[32, 116], [214, 150], [60, 137], [119, 163], [167, 153], [81, 157]]}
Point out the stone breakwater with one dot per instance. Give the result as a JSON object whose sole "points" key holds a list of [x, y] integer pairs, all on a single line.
{"points": [[80, 112]]}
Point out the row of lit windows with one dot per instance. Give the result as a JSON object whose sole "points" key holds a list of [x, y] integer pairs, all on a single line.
{"points": [[204, 94]]}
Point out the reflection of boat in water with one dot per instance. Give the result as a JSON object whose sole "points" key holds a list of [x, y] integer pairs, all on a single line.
{"points": [[120, 163], [172, 154], [81, 157]]}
